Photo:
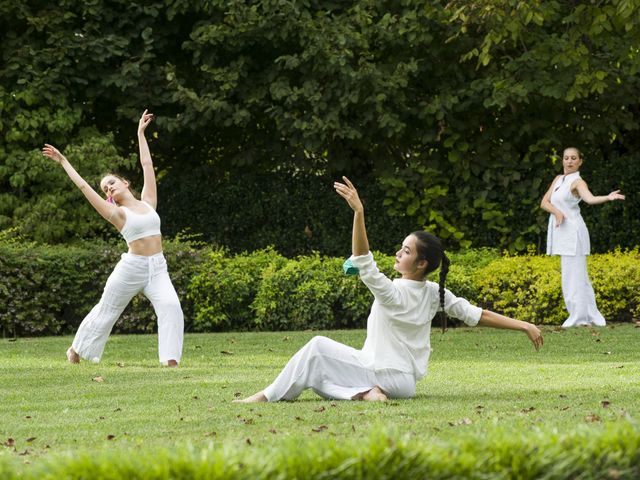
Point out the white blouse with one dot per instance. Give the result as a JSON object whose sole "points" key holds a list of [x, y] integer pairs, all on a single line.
{"points": [[565, 239], [399, 325]]}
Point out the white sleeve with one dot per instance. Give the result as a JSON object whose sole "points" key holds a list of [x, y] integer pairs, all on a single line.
{"points": [[382, 288], [460, 308]]}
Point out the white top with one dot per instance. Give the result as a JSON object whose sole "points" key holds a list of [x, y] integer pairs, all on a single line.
{"points": [[399, 325], [564, 240], [140, 225]]}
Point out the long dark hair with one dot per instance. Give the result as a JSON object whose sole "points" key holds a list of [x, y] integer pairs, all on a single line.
{"points": [[429, 248]]}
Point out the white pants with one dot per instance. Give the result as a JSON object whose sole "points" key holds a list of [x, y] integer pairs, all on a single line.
{"points": [[134, 273], [334, 370], [578, 293]]}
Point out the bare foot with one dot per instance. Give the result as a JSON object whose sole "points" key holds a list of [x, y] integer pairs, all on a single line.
{"points": [[374, 395], [73, 356], [172, 363], [255, 398]]}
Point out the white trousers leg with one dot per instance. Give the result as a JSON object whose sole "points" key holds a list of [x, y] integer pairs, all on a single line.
{"points": [[334, 370], [132, 274], [578, 294]]}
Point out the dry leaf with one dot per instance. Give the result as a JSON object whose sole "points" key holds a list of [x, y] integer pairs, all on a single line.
{"points": [[98, 379], [272, 430], [527, 410], [211, 434], [605, 403], [321, 409], [120, 364], [226, 352], [10, 442], [237, 394], [320, 428], [592, 418], [110, 437]]}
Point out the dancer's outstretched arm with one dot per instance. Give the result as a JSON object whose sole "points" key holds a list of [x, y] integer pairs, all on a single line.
{"points": [[495, 320], [109, 211], [149, 190], [359, 241], [591, 199]]}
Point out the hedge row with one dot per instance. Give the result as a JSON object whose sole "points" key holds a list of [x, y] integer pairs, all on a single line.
{"points": [[47, 290]]}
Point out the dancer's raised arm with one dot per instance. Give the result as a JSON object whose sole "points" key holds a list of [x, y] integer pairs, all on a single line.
{"points": [[109, 211], [359, 241], [149, 190]]}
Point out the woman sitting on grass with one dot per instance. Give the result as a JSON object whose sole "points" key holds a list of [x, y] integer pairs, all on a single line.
{"points": [[397, 347]]}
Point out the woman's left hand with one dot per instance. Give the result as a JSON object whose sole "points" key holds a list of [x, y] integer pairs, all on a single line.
{"points": [[145, 120], [535, 335], [615, 196], [347, 191]]}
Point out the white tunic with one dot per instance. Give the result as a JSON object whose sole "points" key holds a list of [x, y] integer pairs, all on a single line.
{"points": [[399, 325], [572, 236]]}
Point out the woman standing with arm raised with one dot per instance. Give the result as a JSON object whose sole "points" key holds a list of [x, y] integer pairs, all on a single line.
{"points": [[568, 237], [142, 268]]}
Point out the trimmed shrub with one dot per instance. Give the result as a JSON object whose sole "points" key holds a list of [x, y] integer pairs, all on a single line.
{"points": [[529, 287], [225, 286]]}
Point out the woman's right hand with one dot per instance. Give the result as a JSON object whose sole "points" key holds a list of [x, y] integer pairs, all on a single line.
{"points": [[347, 191], [53, 153], [144, 121], [559, 218]]}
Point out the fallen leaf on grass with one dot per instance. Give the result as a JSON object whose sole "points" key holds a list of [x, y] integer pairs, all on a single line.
{"points": [[226, 352], [211, 434], [605, 403], [592, 418], [98, 379], [562, 396], [527, 410], [564, 408], [118, 409], [321, 409], [26, 452], [110, 437], [28, 416], [120, 364], [320, 428], [248, 441], [272, 430], [10, 442], [463, 421], [333, 404], [30, 439], [237, 394], [298, 418]]}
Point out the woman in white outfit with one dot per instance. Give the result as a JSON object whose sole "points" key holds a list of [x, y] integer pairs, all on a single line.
{"points": [[396, 351], [142, 268], [567, 236]]}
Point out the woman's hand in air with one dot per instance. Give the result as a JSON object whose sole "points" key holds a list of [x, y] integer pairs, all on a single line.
{"points": [[347, 191], [615, 196], [53, 153], [145, 120]]}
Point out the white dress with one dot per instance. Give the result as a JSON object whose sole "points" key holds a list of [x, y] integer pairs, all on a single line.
{"points": [[570, 240]]}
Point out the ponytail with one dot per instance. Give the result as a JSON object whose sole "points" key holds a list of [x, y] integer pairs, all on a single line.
{"points": [[444, 269]]}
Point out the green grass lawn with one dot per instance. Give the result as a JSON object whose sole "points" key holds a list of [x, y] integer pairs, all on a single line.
{"points": [[480, 381]]}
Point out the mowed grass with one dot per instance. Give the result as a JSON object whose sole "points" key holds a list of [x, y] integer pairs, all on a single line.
{"points": [[480, 381]]}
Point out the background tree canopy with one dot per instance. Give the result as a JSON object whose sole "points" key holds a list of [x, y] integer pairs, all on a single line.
{"points": [[449, 115]]}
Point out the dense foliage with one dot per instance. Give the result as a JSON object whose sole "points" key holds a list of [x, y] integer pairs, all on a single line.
{"points": [[49, 289], [455, 111]]}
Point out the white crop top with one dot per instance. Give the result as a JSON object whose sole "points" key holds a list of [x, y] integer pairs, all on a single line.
{"points": [[140, 225]]}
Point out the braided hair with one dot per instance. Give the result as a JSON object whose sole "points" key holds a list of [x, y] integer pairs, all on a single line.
{"points": [[429, 248]]}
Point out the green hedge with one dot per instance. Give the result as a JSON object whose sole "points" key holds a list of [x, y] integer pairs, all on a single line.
{"points": [[47, 290]]}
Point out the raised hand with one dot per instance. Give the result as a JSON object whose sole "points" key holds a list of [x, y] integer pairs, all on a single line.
{"points": [[615, 196], [347, 191], [53, 153], [145, 120]]}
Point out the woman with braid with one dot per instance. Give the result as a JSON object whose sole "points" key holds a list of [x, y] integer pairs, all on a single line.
{"points": [[396, 351]]}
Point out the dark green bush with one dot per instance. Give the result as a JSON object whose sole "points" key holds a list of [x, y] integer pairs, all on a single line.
{"points": [[47, 290]]}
